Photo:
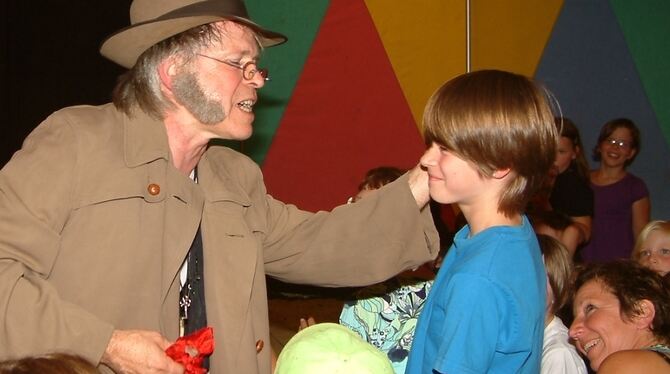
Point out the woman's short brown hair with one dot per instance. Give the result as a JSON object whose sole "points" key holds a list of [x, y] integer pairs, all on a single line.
{"points": [[631, 283], [497, 120]]}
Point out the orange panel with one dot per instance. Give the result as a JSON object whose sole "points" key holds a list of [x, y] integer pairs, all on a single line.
{"points": [[511, 34], [425, 42]]}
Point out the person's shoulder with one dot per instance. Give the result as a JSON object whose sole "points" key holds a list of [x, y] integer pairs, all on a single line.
{"points": [[234, 164], [634, 361], [561, 358], [633, 179], [89, 126], [230, 157], [86, 114]]}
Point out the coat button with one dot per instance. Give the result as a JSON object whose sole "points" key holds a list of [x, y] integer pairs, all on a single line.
{"points": [[259, 345], [154, 189]]}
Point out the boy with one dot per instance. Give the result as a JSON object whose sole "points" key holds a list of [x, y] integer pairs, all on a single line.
{"points": [[492, 139]]}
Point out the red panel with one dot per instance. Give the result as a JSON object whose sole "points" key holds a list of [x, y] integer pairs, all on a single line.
{"points": [[347, 115]]}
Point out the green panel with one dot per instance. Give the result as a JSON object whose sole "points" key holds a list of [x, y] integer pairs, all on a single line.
{"points": [[299, 21], [646, 27]]}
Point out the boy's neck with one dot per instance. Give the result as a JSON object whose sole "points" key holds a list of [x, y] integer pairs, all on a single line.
{"points": [[480, 220]]}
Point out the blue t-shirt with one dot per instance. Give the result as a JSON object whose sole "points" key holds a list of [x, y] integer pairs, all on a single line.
{"points": [[485, 312]]}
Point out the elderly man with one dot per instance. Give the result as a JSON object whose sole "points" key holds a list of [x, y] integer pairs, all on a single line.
{"points": [[121, 227]]}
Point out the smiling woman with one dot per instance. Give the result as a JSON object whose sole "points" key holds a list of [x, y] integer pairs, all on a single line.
{"points": [[622, 318]]}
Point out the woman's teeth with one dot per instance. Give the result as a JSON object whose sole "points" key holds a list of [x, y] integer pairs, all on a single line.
{"points": [[591, 344]]}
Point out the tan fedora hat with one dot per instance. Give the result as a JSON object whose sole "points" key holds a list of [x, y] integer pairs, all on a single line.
{"points": [[154, 20]]}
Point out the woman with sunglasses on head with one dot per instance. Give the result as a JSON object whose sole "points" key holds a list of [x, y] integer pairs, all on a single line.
{"points": [[621, 200]]}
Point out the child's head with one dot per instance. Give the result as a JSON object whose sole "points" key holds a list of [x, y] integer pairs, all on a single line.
{"points": [[496, 120], [652, 248], [570, 149], [619, 142], [330, 348], [375, 179], [559, 270], [49, 363]]}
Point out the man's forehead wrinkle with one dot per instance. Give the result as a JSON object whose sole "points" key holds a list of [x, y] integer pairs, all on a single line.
{"points": [[226, 35]]}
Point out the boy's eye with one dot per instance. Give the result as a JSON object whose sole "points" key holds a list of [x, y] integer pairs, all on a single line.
{"points": [[645, 253], [665, 251]]}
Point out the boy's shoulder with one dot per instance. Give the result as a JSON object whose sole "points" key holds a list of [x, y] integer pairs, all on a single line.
{"points": [[499, 247]]}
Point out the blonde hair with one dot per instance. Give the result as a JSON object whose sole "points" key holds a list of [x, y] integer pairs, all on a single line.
{"points": [[559, 268], [663, 226], [497, 120]]}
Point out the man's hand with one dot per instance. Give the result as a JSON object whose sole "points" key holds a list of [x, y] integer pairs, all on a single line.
{"points": [[139, 351], [418, 183]]}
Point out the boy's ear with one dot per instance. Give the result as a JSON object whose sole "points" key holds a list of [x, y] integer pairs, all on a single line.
{"points": [[501, 173], [645, 318]]}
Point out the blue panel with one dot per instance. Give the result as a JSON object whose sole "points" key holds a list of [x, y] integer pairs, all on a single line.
{"points": [[587, 65]]}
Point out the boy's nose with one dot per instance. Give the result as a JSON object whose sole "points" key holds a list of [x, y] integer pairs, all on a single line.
{"points": [[429, 157]]}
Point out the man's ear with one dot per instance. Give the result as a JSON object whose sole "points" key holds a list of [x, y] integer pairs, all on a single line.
{"points": [[501, 173], [646, 313], [167, 70]]}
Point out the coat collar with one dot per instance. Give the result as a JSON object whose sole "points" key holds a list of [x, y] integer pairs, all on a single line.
{"points": [[145, 139]]}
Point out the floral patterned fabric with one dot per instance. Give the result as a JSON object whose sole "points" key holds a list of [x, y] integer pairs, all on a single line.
{"points": [[385, 315]]}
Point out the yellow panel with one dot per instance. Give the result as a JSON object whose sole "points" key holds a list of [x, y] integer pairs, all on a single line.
{"points": [[511, 34], [425, 42]]}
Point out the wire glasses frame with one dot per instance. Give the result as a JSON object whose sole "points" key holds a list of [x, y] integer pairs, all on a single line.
{"points": [[249, 69], [619, 143]]}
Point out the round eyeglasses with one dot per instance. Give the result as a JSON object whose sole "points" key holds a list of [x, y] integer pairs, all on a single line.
{"points": [[619, 143], [249, 69]]}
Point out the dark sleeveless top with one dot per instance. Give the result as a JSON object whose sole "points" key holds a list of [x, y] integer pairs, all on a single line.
{"points": [[662, 350]]}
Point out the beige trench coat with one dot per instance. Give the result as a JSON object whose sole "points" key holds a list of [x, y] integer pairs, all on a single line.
{"points": [[95, 223]]}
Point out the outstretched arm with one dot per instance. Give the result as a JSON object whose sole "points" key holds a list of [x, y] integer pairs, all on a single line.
{"points": [[418, 184]]}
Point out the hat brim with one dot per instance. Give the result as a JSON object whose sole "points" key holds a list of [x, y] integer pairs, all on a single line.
{"points": [[126, 45]]}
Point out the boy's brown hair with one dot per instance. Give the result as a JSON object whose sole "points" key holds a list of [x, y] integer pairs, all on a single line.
{"points": [[496, 120]]}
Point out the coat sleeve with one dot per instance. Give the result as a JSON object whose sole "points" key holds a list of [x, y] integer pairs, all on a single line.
{"points": [[36, 188], [353, 245]]}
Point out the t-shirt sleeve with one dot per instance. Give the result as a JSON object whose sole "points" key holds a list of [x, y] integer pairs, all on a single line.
{"points": [[639, 189], [469, 336]]}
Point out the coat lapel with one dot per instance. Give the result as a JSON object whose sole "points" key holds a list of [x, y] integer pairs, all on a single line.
{"points": [[146, 145], [230, 257]]}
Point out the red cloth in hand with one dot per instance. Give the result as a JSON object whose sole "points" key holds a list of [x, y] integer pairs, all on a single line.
{"points": [[192, 349]]}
